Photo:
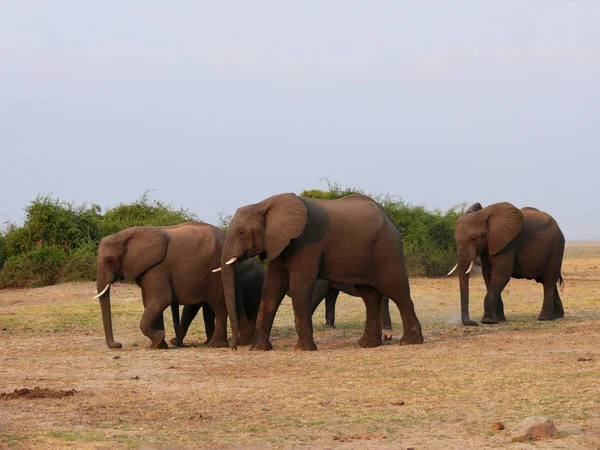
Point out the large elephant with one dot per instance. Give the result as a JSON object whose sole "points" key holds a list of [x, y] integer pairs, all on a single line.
{"points": [[525, 243], [172, 266], [329, 291], [349, 240]]}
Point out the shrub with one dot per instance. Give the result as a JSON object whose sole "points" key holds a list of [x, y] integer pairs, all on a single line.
{"points": [[35, 268], [58, 240], [80, 264], [143, 212], [2, 250]]}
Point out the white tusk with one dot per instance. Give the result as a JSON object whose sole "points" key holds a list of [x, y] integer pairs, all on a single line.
{"points": [[470, 267], [101, 293], [232, 260], [218, 269], [452, 271]]}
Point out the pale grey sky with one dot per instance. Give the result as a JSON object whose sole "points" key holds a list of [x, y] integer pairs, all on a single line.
{"points": [[221, 104]]}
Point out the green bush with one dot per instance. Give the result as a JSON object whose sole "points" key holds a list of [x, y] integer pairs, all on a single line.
{"points": [[80, 265], [58, 240], [142, 212], [35, 268], [2, 250]]}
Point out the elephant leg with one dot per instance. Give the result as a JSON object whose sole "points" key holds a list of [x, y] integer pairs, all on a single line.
{"points": [[178, 339], [157, 296], [386, 319], [247, 331], [559, 311], [547, 312], [188, 314], [150, 317], [486, 271], [209, 321], [395, 286], [319, 293], [330, 300], [275, 288], [498, 281], [372, 334], [500, 309], [219, 337]]}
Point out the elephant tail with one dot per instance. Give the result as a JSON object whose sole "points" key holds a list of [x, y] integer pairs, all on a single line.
{"points": [[561, 282]]}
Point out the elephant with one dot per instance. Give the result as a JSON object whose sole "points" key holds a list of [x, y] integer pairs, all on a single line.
{"points": [[171, 264], [525, 243], [330, 291], [350, 240]]}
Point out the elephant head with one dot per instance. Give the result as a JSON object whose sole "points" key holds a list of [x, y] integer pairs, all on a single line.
{"points": [[125, 256], [482, 231], [263, 229]]}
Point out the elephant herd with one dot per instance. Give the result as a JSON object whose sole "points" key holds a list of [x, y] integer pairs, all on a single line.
{"points": [[315, 248]]}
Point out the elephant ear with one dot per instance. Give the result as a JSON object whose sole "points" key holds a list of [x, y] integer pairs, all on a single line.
{"points": [[285, 218], [144, 248], [474, 208], [505, 223]]}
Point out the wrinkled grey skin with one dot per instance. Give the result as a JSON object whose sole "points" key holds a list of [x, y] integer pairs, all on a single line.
{"points": [[173, 265], [518, 243], [329, 291]]}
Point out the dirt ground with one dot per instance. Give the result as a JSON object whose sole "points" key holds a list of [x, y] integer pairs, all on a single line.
{"points": [[445, 393]]}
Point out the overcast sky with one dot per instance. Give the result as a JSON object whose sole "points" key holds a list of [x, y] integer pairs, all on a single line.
{"points": [[221, 104]]}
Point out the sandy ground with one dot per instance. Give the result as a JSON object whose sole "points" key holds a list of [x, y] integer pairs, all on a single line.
{"points": [[445, 393]]}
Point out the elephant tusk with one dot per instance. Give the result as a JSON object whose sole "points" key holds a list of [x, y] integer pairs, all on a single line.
{"points": [[452, 271], [102, 293], [470, 267], [218, 269], [232, 260]]}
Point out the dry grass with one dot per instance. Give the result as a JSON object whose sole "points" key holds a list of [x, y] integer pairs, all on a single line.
{"points": [[453, 387]]}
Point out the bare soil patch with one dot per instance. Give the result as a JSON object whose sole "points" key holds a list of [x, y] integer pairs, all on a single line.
{"points": [[36, 392], [447, 393]]}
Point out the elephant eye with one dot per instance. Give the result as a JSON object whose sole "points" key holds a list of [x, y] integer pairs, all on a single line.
{"points": [[241, 232]]}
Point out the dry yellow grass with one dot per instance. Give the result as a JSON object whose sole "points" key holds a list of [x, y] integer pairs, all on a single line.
{"points": [[452, 388]]}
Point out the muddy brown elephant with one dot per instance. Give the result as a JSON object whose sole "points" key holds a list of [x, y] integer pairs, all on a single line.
{"points": [[329, 291], [350, 240], [518, 243], [172, 265]]}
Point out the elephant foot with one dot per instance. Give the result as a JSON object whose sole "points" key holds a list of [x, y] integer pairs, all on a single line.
{"points": [[469, 323], [489, 320], [546, 316], [329, 325], [218, 343], [113, 345], [305, 346], [412, 339], [501, 318], [162, 345], [176, 343], [264, 346], [559, 314], [370, 341], [386, 326], [247, 339]]}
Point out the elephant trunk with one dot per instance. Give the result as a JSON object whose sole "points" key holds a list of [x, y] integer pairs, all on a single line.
{"points": [[228, 273], [106, 313], [464, 267]]}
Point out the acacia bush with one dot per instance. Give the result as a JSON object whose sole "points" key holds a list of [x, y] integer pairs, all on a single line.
{"points": [[58, 240]]}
